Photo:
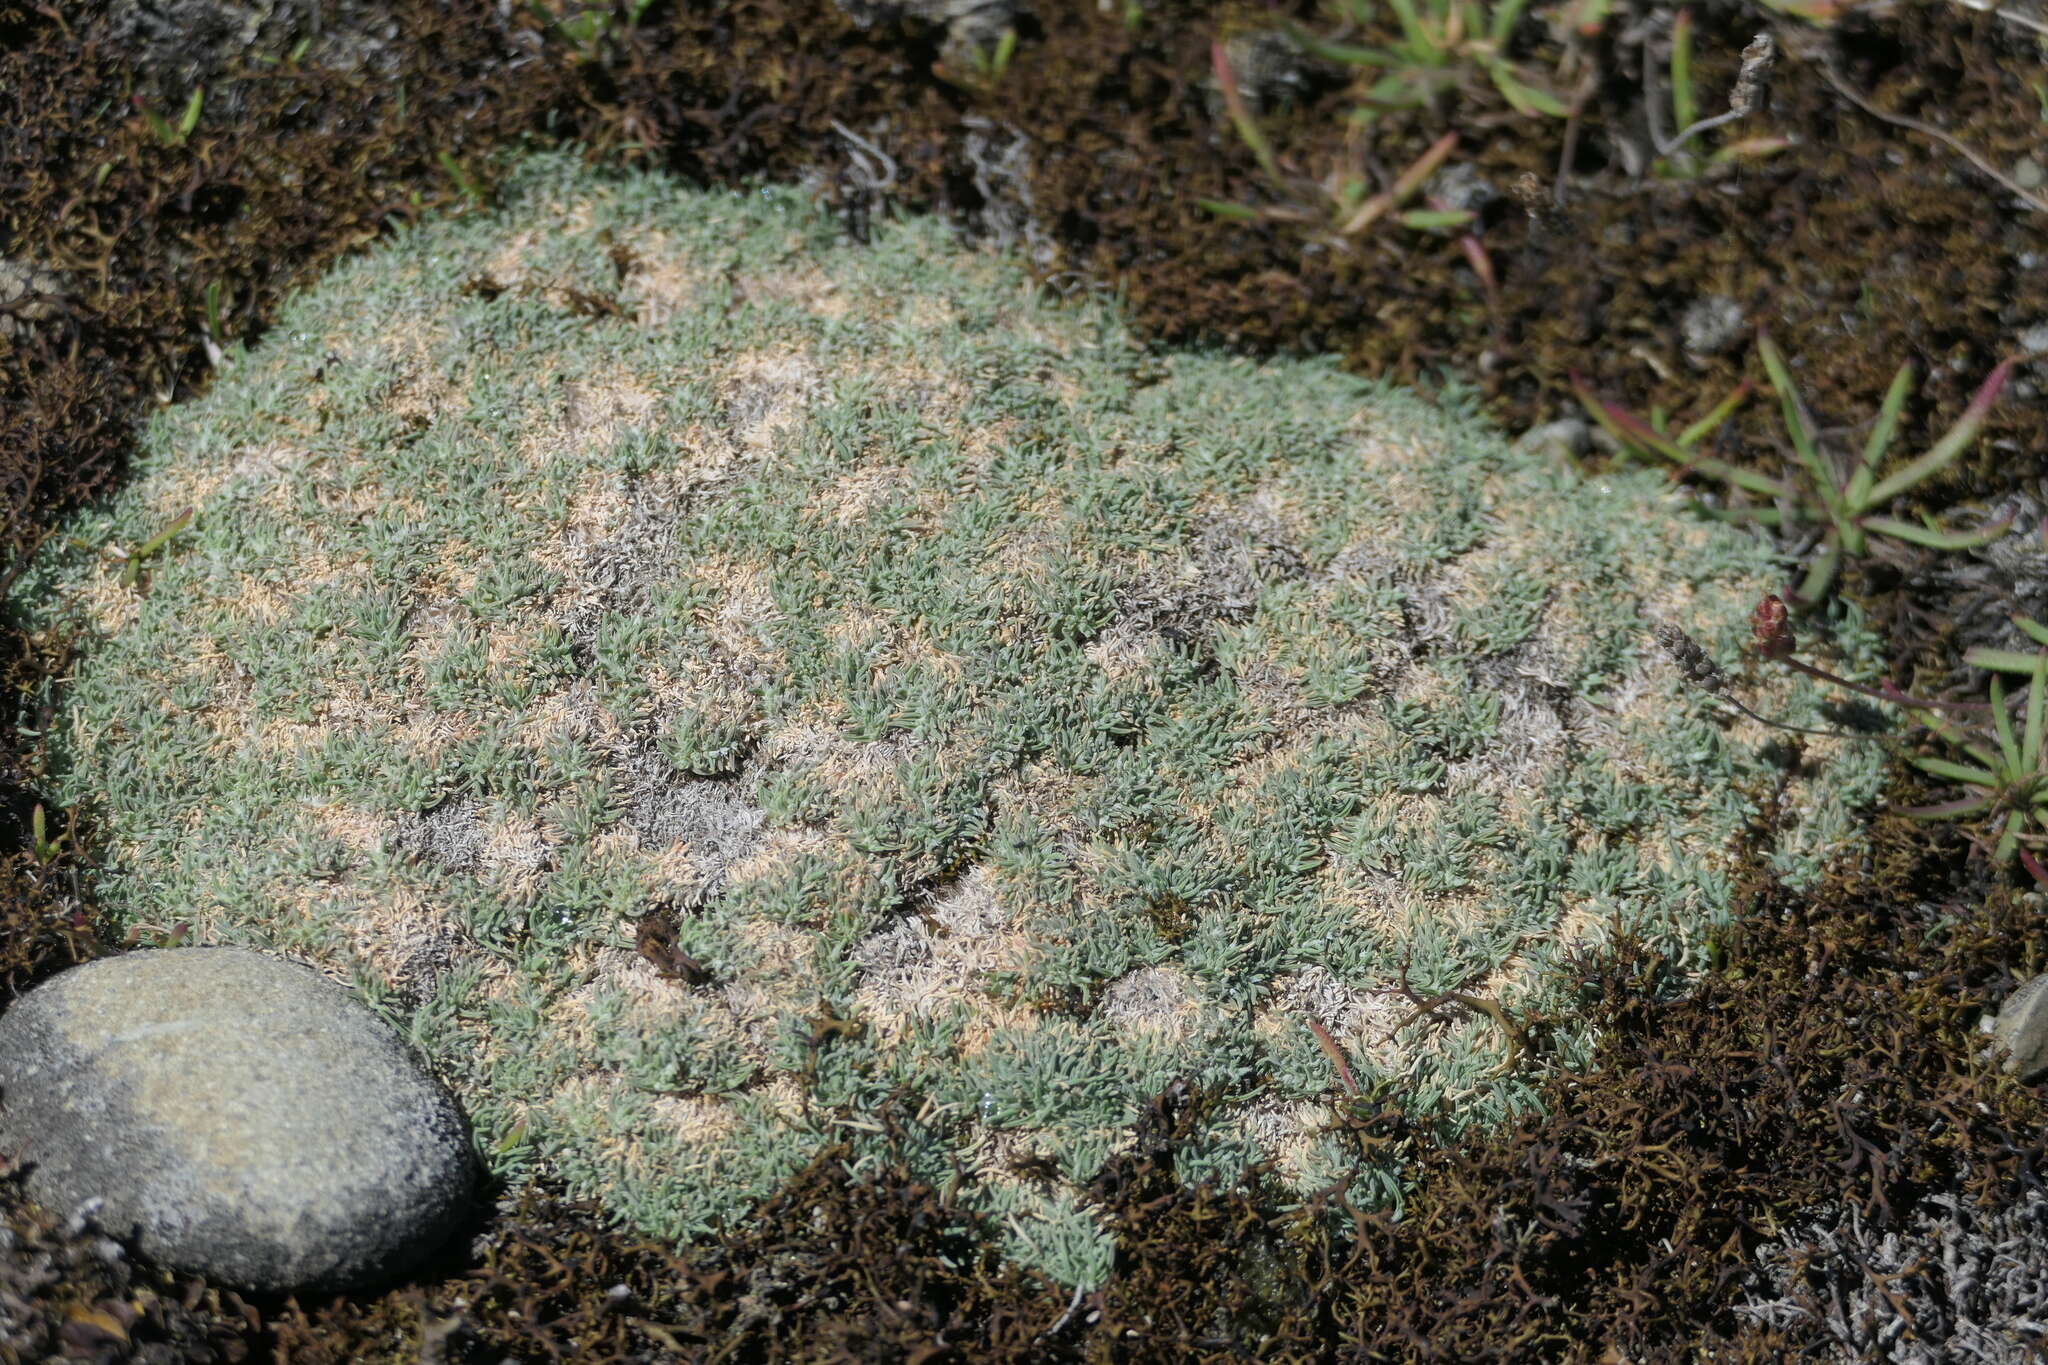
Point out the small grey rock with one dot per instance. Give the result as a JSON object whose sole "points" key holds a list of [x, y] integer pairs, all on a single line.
{"points": [[1461, 186], [972, 26], [2021, 1030], [29, 294], [1711, 324], [176, 46], [1566, 436], [2028, 174], [236, 1114], [1272, 71]]}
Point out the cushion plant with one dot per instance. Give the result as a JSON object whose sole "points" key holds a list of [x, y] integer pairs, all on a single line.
{"points": [[727, 690]]}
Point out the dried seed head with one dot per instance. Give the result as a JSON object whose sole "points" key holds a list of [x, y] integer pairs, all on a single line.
{"points": [[1753, 81], [1693, 664]]}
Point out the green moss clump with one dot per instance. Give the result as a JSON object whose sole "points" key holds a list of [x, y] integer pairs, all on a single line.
{"points": [[718, 686]]}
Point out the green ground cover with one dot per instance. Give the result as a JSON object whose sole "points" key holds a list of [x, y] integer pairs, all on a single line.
{"points": [[723, 689]]}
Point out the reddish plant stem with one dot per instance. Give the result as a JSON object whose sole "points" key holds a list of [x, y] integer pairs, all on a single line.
{"points": [[1336, 1055]]}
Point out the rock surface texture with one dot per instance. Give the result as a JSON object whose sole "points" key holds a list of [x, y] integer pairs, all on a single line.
{"points": [[2021, 1030], [235, 1113]]}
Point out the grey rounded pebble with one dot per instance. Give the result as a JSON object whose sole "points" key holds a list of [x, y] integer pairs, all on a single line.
{"points": [[236, 1114], [2021, 1030], [1566, 436], [1711, 324]]}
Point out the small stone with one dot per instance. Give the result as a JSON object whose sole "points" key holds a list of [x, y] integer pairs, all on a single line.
{"points": [[235, 1114], [1711, 324], [2028, 174], [2021, 1030], [29, 294], [1566, 436], [1273, 72], [972, 26], [1460, 186]]}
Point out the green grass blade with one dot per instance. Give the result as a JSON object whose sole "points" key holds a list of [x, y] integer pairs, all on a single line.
{"points": [[1880, 437], [1342, 53], [1735, 516], [1820, 574], [1241, 115], [1523, 97], [1424, 219], [1240, 213], [1955, 772], [190, 118], [1802, 434], [2001, 721], [158, 129], [1505, 16], [1721, 412], [1425, 43], [1935, 539], [1633, 431], [2001, 660], [1953, 442], [1759, 484], [2008, 842], [2037, 694], [463, 180], [132, 574], [2033, 629]]}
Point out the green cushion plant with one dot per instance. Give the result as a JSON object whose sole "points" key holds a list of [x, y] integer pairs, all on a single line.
{"points": [[724, 691]]}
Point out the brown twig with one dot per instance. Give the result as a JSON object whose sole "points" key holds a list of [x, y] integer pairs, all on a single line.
{"points": [[1518, 1041]]}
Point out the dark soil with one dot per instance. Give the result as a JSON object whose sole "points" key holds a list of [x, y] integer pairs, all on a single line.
{"points": [[1829, 1065]]}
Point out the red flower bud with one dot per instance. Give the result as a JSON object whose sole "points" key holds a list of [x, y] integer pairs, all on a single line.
{"points": [[1770, 629]]}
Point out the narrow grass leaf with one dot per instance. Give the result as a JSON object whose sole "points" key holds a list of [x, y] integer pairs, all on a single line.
{"points": [[2001, 660], [2037, 691], [2008, 747], [1954, 442], [1240, 114], [1956, 772], [1935, 539], [1505, 16], [1801, 431], [1684, 107], [1880, 436], [190, 118], [1426, 219], [1721, 412]]}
